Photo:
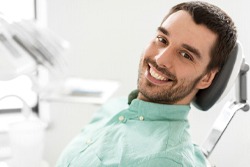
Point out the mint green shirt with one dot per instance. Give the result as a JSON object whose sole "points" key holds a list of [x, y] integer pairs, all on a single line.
{"points": [[142, 134]]}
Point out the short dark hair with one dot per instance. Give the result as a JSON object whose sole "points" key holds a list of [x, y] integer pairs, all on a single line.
{"points": [[218, 22]]}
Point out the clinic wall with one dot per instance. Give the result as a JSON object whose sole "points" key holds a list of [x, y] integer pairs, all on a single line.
{"points": [[107, 38]]}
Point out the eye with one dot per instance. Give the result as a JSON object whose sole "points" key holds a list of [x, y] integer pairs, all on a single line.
{"points": [[162, 40], [186, 55]]}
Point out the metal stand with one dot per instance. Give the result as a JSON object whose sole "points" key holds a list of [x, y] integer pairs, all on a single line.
{"points": [[228, 112]]}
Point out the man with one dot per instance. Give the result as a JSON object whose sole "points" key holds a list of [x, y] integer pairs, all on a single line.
{"points": [[190, 46]]}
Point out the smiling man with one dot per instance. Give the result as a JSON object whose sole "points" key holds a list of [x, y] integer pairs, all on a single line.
{"points": [[173, 66], [190, 46]]}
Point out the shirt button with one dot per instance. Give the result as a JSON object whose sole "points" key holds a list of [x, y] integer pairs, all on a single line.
{"points": [[121, 118], [89, 141], [141, 118]]}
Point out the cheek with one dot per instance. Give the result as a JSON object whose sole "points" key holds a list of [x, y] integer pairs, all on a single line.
{"points": [[185, 73], [150, 50]]}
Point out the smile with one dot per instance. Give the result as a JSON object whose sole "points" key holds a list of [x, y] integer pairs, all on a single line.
{"points": [[157, 75]]}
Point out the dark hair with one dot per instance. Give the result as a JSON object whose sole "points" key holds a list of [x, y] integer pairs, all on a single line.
{"points": [[218, 22]]}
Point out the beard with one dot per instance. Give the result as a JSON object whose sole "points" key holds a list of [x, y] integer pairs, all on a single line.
{"points": [[170, 93]]}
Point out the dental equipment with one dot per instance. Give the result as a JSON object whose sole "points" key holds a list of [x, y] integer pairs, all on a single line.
{"points": [[234, 71]]}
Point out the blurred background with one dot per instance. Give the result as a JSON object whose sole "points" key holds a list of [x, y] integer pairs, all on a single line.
{"points": [[105, 41]]}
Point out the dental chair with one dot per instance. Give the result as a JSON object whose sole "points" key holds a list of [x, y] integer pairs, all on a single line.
{"points": [[233, 73]]}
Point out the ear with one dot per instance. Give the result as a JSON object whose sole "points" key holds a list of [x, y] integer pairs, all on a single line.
{"points": [[207, 79]]}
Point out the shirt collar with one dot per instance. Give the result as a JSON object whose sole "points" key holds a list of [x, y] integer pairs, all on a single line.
{"points": [[155, 111]]}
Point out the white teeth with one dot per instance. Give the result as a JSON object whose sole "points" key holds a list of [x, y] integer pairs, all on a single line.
{"points": [[156, 75]]}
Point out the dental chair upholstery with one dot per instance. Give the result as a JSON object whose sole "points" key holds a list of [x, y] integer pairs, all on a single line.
{"points": [[223, 81]]}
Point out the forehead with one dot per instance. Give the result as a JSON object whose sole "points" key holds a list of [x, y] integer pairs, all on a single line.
{"points": [[183, 30]]}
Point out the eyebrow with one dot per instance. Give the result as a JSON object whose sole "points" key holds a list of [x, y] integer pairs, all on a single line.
{"points": [[164, 31], [192, 49]]}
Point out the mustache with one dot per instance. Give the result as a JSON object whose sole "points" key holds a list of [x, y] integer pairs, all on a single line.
{"points": [[164, 71]]}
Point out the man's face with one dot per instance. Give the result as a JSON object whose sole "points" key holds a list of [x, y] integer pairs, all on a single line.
{"points": [[173, 66]]}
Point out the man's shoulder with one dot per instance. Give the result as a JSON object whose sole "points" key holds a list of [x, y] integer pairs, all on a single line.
{"points": [[114, 104], [110, 108]]}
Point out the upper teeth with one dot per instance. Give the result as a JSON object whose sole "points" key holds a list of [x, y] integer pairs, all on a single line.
{"points": [[156, 75]]}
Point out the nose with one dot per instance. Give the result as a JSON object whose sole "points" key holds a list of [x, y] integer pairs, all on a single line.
{"points": [[165, 57]]}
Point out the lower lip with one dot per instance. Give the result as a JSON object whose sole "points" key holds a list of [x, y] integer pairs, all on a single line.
{"points": [[153, 80]]}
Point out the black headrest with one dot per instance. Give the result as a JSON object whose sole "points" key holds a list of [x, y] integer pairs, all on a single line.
{"points": [[222, 82]]}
